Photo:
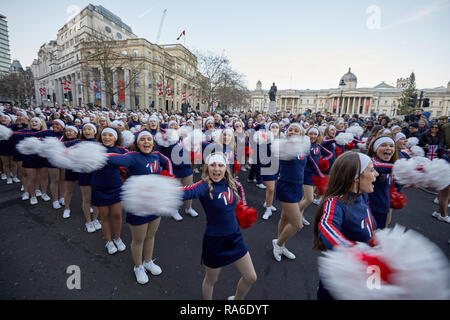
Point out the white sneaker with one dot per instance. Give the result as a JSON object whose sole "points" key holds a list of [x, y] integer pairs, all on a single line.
{"points": [[230, 298], [38, 193], [9, 181], [191, 212], [61, 201], [436, 200], [196, 170], [22, 188], [111, 247], [317, 201], [120, 245], [25, 196], [15, 179], [153, 268], [436, 214], [97, 224], [267, 214], [45, 197], [33, 201], [261, 186], [444, 219], [56, 205], [287, 253], [66, 213], [277, 250], [244, 169], [272, 207], [305, 222], [176, 216], [141, 276], [4, 176], [90, 227], [251, 181]]}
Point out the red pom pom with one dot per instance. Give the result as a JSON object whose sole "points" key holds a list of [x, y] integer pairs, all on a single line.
{"points": [[321, 184], [398, 199], [248, 152], [385, 270], [123, 174], [349, 146], [323, 164], [236, 167], [338, 152], [245, 215], [196, 158], [166, 173]]}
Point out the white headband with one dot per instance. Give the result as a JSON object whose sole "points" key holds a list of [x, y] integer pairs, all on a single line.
{"points": [[382, 140], [296, 124], [217, 158], [110, 130], [331, 127], [72, 128], [36, 119], [143, 133], [60, 122], [313, 130], [364, 160], [399, 136], [91, 125]]}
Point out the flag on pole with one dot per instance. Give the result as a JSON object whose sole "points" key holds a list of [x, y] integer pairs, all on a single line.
{"points": [[182, 34]]}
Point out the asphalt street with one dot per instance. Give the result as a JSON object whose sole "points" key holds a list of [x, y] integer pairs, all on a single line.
{"points": [[38, 249]]}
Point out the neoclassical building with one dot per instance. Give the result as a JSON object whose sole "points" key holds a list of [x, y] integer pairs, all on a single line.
{"points": [[97, 59], [350, 99]]}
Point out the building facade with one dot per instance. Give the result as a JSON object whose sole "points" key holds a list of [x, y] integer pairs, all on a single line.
{"points": [[350, 99], [98, 60], [5, 57]]}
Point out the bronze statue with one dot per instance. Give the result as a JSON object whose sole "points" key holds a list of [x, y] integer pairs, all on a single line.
{"points": [[273, 92]]}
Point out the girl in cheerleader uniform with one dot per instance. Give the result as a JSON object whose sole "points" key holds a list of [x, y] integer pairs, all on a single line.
{"points": [[222, 241], [344, 216], [269, 180], [6, 153]]}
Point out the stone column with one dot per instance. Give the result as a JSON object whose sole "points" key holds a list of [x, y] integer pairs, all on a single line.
{"points": [[74, 89], [115, 84], [103, 89], [126, 78], [91, 86]]}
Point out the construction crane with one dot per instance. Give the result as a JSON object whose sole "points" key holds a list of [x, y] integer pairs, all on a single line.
{"points": [[161, 25]]}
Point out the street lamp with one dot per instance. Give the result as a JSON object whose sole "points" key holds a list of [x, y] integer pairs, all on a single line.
{"points": [[342, 86]]}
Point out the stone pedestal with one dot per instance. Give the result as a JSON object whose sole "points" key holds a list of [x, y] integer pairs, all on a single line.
{"points": [[272, 107]]}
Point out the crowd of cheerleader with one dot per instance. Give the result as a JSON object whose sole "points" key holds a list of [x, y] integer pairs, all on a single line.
{"points": [[353, 175]]}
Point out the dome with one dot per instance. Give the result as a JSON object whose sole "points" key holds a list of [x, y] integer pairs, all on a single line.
{"points": [[259, 86], [350, 79]]}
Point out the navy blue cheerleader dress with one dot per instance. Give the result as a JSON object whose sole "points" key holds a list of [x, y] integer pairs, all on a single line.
{"points": [[222, 240], [139, 163], [290, 181]]}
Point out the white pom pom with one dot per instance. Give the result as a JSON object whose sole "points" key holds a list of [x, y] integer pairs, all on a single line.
{"points": [[56, 153], [438, 174], [293, 147], [193, 141], [184, 131], [151, 195], [127, 138], [29, 146], [356, 130], [5, 132], [170, 137], [87, 156], [263, 137], [216, 135], [415, 151], [343, 138], [419, 269], [413, 141]]}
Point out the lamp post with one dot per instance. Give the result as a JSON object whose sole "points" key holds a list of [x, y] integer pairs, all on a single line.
{"points": [[342, 86]]}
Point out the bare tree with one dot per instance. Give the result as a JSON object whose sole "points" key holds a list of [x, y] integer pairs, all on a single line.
{"points": [[18, 87]]}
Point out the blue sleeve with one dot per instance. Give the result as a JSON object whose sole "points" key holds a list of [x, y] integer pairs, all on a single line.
{"points": [[382, 167], [313, 165], [195, 191], [121, 160], [166, 164]]}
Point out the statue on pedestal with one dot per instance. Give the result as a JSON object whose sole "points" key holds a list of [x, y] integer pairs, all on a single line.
{"points": [[273, 92]]}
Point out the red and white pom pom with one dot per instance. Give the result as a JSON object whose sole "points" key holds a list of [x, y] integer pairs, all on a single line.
{"points": [[151, 194], [324, 164], [167, 139], [184, 131], [401, 265], [362, 145], [5, 132], [293, 147], [193, 141], [127, 138], [29, 146], [245, 215], [215, 135], [356, 130], [415, 151], [87, 157], [320, 183], [397, 199], [263, 137], [343, 138]]}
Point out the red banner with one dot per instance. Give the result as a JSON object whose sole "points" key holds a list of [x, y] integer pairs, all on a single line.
{"points": [[367, 104], [334, 104], [121, 90]]}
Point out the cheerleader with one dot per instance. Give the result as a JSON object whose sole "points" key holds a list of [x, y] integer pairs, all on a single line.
{"points": [[143, 228], [329, 143], [289, 192], [222, 241], [241, 140], [153, 125], [312, 168], [343, 216], [106, 186], [21, 125], [269, 180], [383, 153], [400, 145], [6, 153], [227, 142], [57, 174], [182, 171]]}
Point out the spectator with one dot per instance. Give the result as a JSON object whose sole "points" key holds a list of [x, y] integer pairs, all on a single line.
{"points": [[423, 126], [432, 138], [413, 131]]}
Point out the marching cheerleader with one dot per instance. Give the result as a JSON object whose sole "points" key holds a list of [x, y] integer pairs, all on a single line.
{"points": [[222, 241], [241, 140], [400, 145], [22, 124], [153, 125], [329, 143], [6, 153], [289, 192], [182, 171], [383, 153], [57, 174], [106, 186], [227, 141], [143, 228], [312, 168], [343, 216], [269, 180]]}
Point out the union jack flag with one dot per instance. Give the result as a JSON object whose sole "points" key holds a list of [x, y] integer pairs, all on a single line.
{"points": [[432, 152]]}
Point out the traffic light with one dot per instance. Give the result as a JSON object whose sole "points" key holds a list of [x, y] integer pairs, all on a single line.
{"points": [[426, 103], [412, 101], [70, 95], [65, 97], [48, 97]]}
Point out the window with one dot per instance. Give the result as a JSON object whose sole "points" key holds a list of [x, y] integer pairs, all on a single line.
{"points": [[124, 52], [118, 35], [108, 29], [135, 53]]}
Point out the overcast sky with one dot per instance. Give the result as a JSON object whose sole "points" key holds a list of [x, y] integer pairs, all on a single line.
{"points": [[296, 44]]}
